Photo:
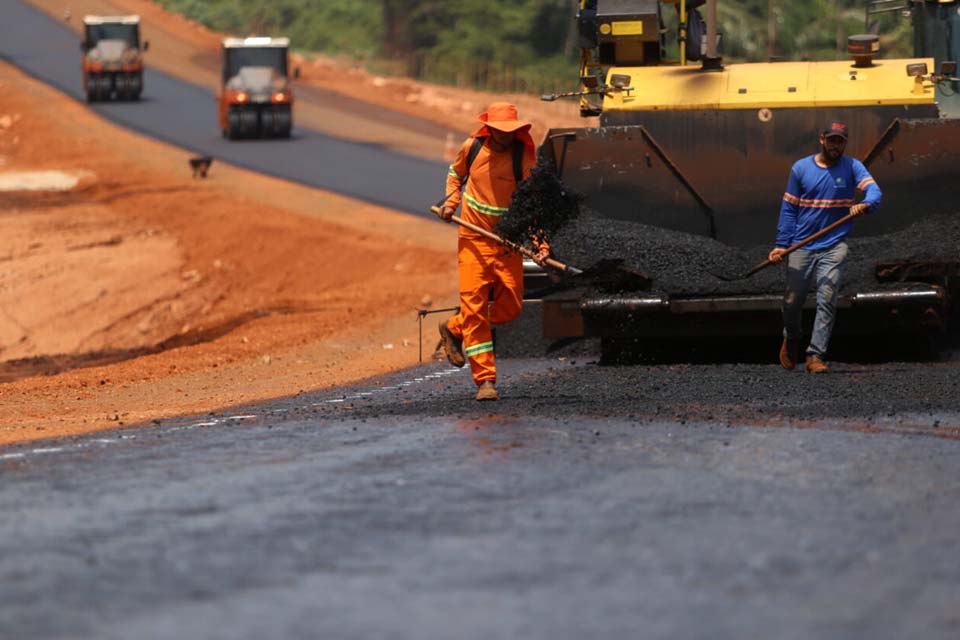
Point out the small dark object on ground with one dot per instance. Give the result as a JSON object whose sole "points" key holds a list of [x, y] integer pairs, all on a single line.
{"points": [[541, 206], [200, 165]]}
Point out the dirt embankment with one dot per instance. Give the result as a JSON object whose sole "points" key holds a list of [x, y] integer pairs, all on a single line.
{"points": [[141, 293]]}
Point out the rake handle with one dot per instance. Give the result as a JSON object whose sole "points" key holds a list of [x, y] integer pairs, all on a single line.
{"points": [[519, 248]]}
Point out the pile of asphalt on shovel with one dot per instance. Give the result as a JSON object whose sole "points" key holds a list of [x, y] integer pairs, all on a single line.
{"points": [[686, 265]]}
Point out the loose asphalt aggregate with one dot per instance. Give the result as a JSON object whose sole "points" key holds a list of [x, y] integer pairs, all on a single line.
{"points": [[687, 264], [541, 206], [923, 394]]}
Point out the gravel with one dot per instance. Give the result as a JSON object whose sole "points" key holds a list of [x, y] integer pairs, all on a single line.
{"points": [[687, 264]]}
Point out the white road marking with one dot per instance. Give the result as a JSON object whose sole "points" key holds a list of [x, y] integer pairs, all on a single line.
{"points": [[17, 455]]}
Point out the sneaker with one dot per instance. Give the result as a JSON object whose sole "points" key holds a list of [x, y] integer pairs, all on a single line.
{"points": [[788, 353], [452, 345], [816, 365], [487, 391]]}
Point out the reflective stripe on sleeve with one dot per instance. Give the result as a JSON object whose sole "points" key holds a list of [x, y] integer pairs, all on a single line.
{"points": [[827, 204], [792, 199]]}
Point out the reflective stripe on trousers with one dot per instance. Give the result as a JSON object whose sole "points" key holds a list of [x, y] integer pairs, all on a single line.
{"points": [[485, 267]]}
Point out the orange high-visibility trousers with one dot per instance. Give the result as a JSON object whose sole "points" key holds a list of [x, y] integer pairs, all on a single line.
{"points": [[485, 266]]}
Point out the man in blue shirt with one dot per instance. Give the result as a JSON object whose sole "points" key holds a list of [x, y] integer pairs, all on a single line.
{"points": [[821, 190]]}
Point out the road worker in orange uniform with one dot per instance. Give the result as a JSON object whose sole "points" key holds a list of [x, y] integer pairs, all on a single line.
{"points": [[491, 276]]}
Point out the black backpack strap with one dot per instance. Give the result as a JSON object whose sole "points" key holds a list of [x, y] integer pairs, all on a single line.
{"points": [[518, 149], [473, 153], [471, 156]]}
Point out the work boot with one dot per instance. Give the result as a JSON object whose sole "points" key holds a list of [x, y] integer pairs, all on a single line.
{"points": [[452, 345], [816, 365], [487, 391], [788, 353]]}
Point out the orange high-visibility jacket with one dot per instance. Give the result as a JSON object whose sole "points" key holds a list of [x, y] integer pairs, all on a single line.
{"points": [[490, 184]]}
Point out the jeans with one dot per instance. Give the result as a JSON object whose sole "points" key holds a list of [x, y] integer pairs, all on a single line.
{"points": [[825, 267]]}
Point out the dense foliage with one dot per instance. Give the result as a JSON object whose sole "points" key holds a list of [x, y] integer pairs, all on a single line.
{"points": [[808, 30], [529, 43]]}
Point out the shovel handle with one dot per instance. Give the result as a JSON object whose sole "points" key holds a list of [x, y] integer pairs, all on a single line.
{"points": [[827, 229], [519, 248]]}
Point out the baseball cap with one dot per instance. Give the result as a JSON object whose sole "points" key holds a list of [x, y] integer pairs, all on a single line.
{"points": [[835, 129]]}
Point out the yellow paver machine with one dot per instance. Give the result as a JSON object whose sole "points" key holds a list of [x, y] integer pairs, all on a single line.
{"points": [[702, 146]]}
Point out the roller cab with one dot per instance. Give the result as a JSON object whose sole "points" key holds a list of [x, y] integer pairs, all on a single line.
{"points": [[255, 98], [112, 58]]}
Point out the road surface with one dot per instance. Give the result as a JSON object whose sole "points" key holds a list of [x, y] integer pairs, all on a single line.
{"points": [[592, 502]]}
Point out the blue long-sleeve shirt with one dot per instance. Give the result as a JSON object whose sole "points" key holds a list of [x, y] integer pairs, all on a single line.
{"points": [[817, 197]]}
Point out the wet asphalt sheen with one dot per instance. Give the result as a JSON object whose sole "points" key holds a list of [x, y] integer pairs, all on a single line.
{"points": [[185, 115], [591, 502]]}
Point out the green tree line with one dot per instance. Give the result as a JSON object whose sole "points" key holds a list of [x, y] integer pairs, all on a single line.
{"points": [[522, 44], [757, 30]]}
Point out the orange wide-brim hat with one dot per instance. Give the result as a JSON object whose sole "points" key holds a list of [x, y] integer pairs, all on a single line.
{"points": [[503, 116]]}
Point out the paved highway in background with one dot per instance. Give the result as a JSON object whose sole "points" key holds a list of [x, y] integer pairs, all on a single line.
{"points": [[184, 114]]}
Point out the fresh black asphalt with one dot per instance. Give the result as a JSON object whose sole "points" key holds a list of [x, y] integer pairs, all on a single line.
{"points": [[591, 502]]}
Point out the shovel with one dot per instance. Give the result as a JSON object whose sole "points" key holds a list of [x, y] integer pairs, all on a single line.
{"points": [[519, 248], [608, 275], [766, 263]]}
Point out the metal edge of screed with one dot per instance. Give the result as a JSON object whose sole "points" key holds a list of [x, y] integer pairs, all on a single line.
{"points": [[599, 305], [914, 296], [619, 304]]}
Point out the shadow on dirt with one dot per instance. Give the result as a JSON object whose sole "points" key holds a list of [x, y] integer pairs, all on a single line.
{"points": [[103, 193], [49, 365]]}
